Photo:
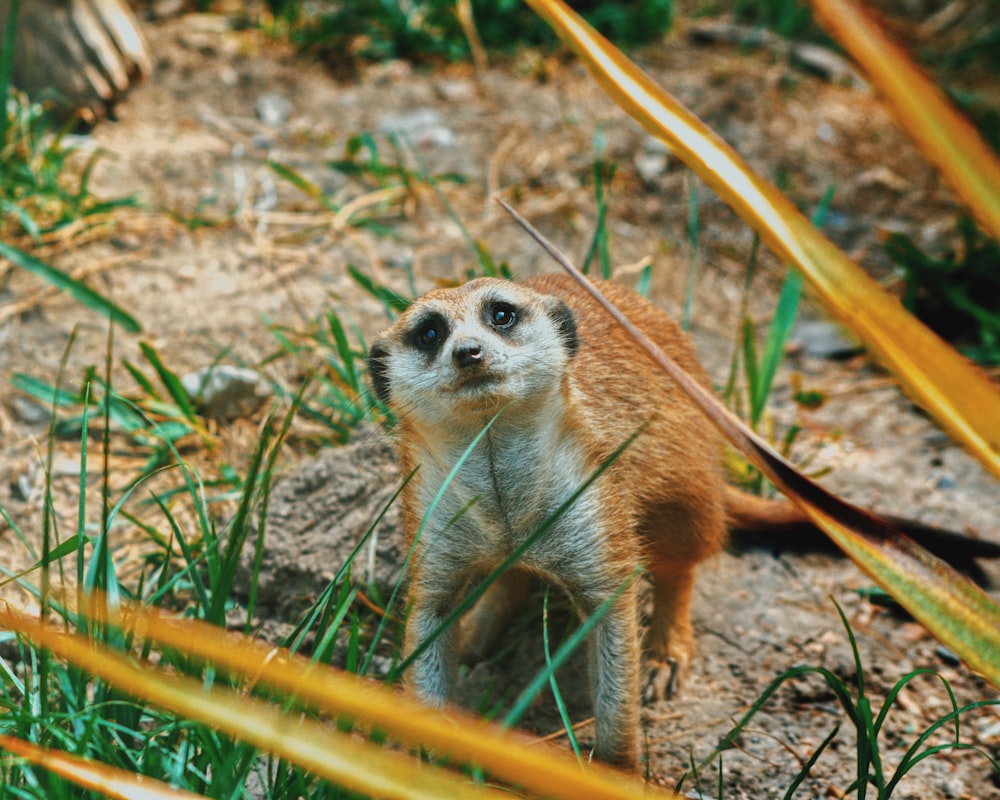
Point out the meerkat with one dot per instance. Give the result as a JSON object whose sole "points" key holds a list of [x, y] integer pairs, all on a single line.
{"points": [[570, 388]]}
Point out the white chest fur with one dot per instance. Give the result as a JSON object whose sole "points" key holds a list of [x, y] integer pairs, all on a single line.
{"points": [[513, 481]]}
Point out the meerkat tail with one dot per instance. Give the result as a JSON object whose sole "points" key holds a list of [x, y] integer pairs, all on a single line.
{"points": [[780, 520]]}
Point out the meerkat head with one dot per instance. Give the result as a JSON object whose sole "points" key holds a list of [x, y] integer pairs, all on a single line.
{"points": [[472, 349]]}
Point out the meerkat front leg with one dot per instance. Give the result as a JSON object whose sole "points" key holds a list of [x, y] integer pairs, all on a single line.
{"points": [[615, 666], [679, 536], [432, 676], [669, 641]]}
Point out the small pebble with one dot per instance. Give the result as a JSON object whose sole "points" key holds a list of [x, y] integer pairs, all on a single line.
{"points": [[273, 109], [29, 412], [826, 133], [945, 480], [226, 392], [824, 339], [21, 488], [827, 64], [455, 91], [421, 126]]}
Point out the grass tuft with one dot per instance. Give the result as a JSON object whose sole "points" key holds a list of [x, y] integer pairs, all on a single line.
{"points": [[872, 770]]}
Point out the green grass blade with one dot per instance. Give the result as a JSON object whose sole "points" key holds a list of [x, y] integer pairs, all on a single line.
{"points": [[44, 392], [257, 483], [810, 763], [304, 185], [781, 327], [170, 381], [18, 533], [7, 64], [78, 290], [147, 386], [343, 349], [566, 649], [529, 541], [21, 215], [191, 562], [911, 758], [394, 303], [599, 241], [694, 228], [890, 698], [222, 579], [750, 364], [81, 514], [553, 685]]}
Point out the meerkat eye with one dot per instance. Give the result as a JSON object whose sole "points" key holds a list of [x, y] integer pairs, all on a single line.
{"points": [[429, 334], [502, 315]]}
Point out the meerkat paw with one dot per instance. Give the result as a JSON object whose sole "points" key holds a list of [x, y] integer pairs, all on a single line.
{"points": [[662, 681], [668, 654]]}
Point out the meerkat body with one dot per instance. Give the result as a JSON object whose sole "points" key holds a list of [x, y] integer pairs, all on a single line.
{"points": [[573, 388]]}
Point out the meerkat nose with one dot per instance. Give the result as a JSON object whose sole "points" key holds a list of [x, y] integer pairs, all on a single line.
{"points": [[468, 354]]}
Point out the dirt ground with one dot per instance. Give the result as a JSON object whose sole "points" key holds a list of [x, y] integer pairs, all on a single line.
{"points": [[192, 142]]}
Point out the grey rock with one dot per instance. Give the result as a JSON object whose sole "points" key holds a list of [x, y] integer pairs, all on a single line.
{"points": [[225, 392], [947, 656], [455, 91], [824, 339], [421, 126], [827, 64], [28, 411], [946, 480], [273, 109], [652, 159], [953, 787], [650, 165], [22, 488]]}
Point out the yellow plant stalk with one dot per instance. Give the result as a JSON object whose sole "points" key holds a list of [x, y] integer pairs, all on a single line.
{"points": [[951, 607], [947, 138], [955, 392], [328, 753], [542, 769], [88, 774]]}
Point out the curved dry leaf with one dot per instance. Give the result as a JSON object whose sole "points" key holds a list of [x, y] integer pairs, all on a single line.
{"points": [[356, 765], [955, 392], [542, 769], [950, 606], [947, 138], [89, 774]]}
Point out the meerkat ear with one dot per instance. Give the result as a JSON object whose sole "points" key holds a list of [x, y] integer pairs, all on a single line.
{"points": [[565, 324], [378, 369]]}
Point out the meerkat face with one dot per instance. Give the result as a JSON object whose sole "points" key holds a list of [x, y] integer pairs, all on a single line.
{"points": [[472, 349]]}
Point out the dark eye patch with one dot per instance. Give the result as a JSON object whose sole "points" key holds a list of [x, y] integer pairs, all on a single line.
{"points": [[428, 334]]}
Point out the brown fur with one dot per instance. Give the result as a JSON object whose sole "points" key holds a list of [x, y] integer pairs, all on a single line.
{"points": [[573, 387], [661, 504]]}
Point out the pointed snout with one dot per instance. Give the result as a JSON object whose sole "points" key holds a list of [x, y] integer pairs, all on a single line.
{"points": [[468, 353]]}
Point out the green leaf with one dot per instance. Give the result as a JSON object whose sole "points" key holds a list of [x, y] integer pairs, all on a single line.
{"points": [[392, 301], [170, 380], [44, 392], [78, 290], [303, 185]]}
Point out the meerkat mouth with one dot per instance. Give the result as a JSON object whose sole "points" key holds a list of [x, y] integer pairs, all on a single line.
{"points": [[479, 381], [481, 386]]}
